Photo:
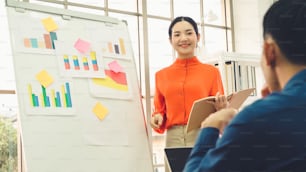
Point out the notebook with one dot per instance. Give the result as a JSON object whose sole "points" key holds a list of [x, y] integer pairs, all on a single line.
{"points": [[201, 109], [177, 157]]}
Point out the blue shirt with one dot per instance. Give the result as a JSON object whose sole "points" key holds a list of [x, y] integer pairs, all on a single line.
{"points": [[268, 135]]}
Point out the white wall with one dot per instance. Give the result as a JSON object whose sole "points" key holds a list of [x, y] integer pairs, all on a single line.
{"points": [[7, 81], [248, 16], [8, 102]]}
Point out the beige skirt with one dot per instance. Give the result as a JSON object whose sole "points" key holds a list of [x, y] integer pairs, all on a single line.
{"points": [[176, 136]]}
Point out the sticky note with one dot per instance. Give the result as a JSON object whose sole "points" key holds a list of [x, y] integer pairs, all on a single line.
{"points": [[49, 24], [119, 78], [100, 111], [44, 78], [82, 46], [115, 66]]}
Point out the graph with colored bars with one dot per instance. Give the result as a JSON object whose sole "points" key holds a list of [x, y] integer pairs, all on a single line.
{"points": [[115, 49], [47, 42], [73, 62], [55, 99]]}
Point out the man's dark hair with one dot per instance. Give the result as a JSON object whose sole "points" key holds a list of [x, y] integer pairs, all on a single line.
{"points": [[285, 21]]}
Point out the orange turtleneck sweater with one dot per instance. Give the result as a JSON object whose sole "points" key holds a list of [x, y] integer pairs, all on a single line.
{"points": [[179, 85]]}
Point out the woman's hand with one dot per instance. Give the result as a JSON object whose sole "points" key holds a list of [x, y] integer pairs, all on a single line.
{"points": [[157, 121], [220, 102]]}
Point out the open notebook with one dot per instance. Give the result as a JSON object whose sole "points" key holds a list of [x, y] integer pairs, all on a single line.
{"points": [[202, 109], [177, 157]]}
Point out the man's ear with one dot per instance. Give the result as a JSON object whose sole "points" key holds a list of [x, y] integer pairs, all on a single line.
{"points": [[270, 52]]}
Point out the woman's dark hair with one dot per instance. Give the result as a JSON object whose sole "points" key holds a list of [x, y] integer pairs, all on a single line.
{"points": [[183, 18], [285, 21]]}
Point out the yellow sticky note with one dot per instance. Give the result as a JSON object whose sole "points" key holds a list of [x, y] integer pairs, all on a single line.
{"points": [[100, 111], [44, 78], [49, 24]]}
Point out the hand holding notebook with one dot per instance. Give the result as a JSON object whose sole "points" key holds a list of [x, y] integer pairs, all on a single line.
{"points": [[202, 107]]}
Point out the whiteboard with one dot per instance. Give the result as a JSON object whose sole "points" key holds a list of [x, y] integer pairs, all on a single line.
{"points": [[78, 94]]}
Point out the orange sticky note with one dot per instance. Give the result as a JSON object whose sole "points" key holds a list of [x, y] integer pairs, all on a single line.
{"points": [[100, 111], [44, 78], [49, 24]]}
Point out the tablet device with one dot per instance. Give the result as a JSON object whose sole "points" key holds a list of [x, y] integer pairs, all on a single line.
{"points": [[177, 157]]}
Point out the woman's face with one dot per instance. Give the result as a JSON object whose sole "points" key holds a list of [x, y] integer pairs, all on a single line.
{"points": [[184, 39]]}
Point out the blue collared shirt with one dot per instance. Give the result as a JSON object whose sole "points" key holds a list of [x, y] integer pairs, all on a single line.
{"points": [[268, 135]]}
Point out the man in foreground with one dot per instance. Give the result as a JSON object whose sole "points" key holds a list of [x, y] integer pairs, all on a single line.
{"points": [[270, 134]]}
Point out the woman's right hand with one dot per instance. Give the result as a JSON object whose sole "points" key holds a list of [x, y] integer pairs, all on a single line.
{"points": [[156, 121]]}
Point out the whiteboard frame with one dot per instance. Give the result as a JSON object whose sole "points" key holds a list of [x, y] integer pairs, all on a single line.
{"points": [[21, 6]]}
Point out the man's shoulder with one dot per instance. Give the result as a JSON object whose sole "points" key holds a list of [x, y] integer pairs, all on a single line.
{"points": [[264, 108], [258, 109]]}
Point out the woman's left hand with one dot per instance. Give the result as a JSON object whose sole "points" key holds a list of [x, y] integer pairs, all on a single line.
{"points": [[220, 102]]}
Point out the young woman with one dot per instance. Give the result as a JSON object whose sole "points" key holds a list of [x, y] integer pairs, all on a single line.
{"points": [[180, 84]]}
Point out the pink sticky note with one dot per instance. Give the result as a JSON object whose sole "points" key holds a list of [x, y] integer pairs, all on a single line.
{"points": [[82, 46], [115, 67]]}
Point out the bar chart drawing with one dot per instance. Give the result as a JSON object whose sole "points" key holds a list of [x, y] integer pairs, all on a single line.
{"points": [[116, 49], [45, 100], [34, 40], [73, 64], [112, 41], [45, 42]]}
